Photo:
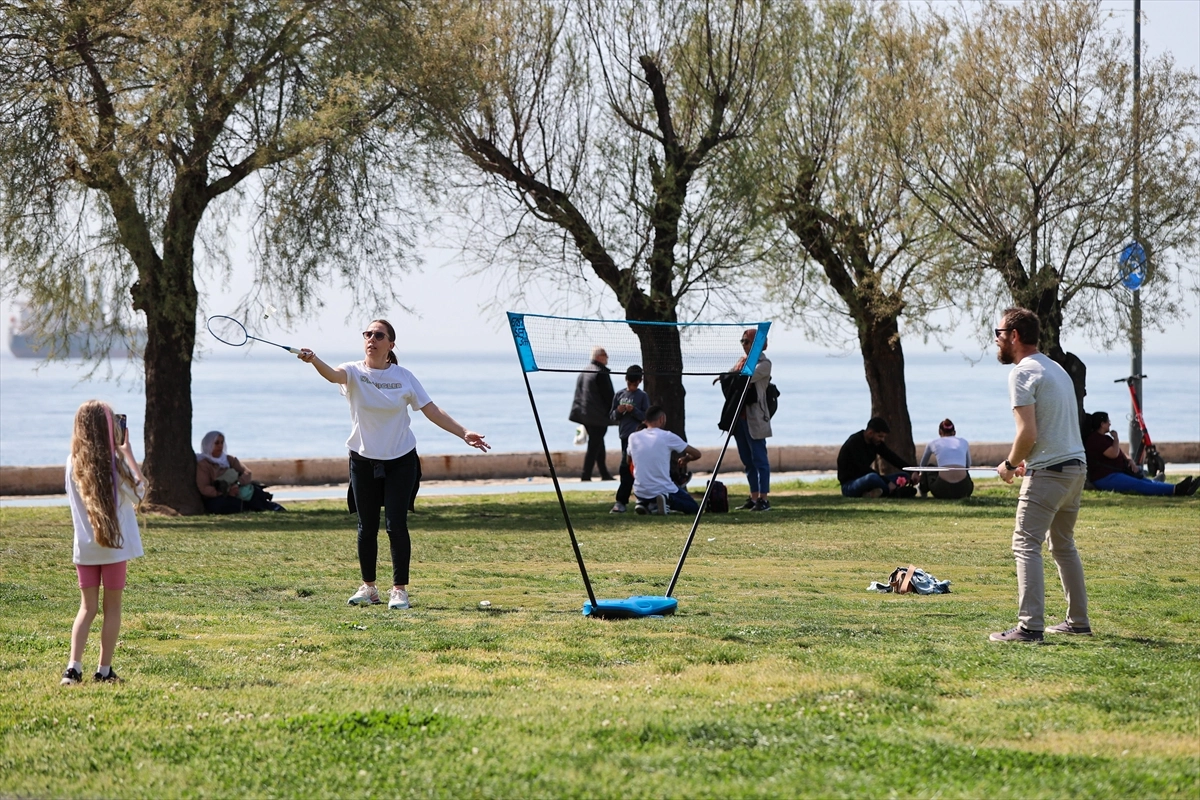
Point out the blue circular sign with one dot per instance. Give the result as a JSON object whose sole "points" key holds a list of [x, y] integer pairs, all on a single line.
{"points": [[1133, 266]]}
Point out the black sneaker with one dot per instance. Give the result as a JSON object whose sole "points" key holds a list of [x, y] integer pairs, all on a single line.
{"points": [[641, 508], [762, 504], [71, 676], [1066, 627], [1185, 487], [748, 505], [1017, 634], [112, 677]]}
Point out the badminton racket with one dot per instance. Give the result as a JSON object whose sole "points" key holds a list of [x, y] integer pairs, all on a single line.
{"points": [[228, 330], [948, 469]]}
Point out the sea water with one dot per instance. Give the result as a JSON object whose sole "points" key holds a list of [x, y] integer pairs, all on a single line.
{"points": [[270, 405]]}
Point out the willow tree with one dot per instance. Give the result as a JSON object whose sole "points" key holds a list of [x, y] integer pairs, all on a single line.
{"points": [[1019, 141], [864, 247], [601, 134], [133, 130]]}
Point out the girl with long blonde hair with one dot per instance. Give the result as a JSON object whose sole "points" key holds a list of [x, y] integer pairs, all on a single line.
{"points": [[102, 483]]}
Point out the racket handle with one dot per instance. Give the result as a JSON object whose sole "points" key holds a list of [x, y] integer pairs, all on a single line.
{"points": [[292, 350]]}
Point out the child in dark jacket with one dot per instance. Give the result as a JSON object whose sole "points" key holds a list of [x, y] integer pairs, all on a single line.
{"points": [[628, 411]]}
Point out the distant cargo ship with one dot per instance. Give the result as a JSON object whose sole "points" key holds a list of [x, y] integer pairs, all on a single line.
{"points": [[24, 342]]}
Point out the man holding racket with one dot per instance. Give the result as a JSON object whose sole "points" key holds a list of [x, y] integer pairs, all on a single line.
{"points": [[1048, 453], [383, 454]]}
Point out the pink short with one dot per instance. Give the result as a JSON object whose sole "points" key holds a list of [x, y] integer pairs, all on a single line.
{"points": [[111, 575]]}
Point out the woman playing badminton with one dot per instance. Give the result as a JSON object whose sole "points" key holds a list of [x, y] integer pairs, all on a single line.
{"points": [[383, 454]]}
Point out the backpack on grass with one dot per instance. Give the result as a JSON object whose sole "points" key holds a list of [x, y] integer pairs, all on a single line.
{"points": [[718, 499]]}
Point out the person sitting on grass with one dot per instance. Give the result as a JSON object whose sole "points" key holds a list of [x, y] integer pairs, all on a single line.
{"points": [[1110, 470], [650, 452], [856, 464], [948, 450], [224, 484]]}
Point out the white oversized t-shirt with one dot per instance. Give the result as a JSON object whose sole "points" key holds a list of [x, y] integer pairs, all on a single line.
{"points": [[88, 551], [650, 451], [379, 401]]}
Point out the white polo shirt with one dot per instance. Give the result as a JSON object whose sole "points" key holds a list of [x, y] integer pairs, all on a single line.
{"points": [[379, 401], [650, 451]]}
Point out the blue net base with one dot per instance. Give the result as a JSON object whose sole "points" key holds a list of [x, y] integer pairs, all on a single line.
{"points": [[632, 607]]}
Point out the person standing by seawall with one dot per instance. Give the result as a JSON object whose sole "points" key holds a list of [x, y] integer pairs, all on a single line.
{"points": [[629, 408], [101, 481], [948, 450], [590, 408], [1048, 452], [753, 427], [383, 451]]}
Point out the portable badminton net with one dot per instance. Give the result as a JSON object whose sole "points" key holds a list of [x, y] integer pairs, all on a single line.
{"points": [[666, 350]]}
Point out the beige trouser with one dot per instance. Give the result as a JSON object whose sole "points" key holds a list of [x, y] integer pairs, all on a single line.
{"points": [[1049, 503]]}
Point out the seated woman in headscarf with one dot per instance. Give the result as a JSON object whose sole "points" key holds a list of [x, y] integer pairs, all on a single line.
{"points": [[224, 484]]}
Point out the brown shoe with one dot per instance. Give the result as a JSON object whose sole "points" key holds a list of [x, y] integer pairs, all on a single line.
{"points": [[1074, 630], [1017, 634]]}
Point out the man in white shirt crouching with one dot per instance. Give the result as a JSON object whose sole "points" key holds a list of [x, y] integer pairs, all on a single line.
{"points": [[650, 451]]}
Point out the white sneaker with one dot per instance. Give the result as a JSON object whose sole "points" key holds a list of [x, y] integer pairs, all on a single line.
{"points": [[618, 508], [365, 596], [660, 506], [397, 598]]}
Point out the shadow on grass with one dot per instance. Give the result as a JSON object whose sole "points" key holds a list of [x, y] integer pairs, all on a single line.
{"points": [[540, 513]]}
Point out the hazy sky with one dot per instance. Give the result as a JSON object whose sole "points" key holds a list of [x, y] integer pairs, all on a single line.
{"points": [[447, 301]]}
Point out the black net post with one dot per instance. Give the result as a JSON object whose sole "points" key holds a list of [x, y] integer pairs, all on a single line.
{"points": [[704, 502]]}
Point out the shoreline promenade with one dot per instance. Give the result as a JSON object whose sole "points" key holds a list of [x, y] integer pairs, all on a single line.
{"points": [[48, 480]]}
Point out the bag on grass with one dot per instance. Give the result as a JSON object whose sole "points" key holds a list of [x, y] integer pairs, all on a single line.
{"points": [[718, 499]]}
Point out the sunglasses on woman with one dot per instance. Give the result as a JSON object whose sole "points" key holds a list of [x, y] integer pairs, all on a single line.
{"points": [[378, 336]]}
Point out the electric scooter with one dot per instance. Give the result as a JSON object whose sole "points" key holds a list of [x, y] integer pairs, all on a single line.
{"points": [[1148, 454]]}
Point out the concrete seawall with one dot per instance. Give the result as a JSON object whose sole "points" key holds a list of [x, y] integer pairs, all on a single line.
{"points": [[15, 481]]}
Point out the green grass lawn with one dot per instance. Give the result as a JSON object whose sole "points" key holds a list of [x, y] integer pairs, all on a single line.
{"points": [[248, 675]]}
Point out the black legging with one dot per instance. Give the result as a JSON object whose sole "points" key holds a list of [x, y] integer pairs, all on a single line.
{"points": [[387, 485], [595, 451]]}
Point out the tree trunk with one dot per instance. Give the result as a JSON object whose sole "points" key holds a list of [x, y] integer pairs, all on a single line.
{"points": [[838, 245], [169, 299], [170, 461], [883, 362], [662, 358], [1040, 295]]}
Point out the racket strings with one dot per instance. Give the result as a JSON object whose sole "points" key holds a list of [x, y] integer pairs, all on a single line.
{"points": [[228, 330]]}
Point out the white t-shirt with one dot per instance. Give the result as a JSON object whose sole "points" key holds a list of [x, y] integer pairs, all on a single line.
{"points": [[1037, 381], [379, 402], [650, 451], [950, 451], [87, 551]]}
